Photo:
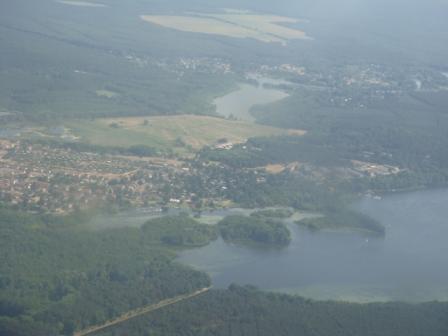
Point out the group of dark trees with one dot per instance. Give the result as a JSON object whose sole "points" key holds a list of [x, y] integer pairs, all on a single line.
{"points": [[247, 311], [181, 231], [279, 213], [344, 218], [407, 130], [135, 150], [285, 189], [254, 229], [56, 277]]}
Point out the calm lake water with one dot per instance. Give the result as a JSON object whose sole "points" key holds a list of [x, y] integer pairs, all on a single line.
{"points": [[409, 264], [239, 103]]}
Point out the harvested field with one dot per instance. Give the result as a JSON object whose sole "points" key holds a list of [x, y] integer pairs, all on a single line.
{"points": [[80, 3], [265, 28]]}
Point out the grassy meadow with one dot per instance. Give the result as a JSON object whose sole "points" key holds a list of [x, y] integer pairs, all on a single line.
{"points": [[181, 132]]}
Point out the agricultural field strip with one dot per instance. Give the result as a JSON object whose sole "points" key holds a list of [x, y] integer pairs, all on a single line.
{"points": [[263, 24], [260, 27], [80, 3], [205, 26], [196, 131]]}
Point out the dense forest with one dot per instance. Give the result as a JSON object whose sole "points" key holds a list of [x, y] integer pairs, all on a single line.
{"points": [[124, 72], [285, 190], [242, 229], [405, 130], [56, 277], [178, 231], [273, 213], [344, 218], [246, 311]]}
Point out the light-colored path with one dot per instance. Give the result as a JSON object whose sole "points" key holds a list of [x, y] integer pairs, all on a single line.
{"points": [[140, 311]]}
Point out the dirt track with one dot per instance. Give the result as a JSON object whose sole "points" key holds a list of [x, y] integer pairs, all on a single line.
{"points": [[140, 311]]}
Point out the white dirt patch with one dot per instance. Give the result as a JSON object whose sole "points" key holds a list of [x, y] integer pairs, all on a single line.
{"points": [[80, 3]]}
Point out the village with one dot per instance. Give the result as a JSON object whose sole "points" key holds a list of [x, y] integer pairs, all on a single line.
{"points": [[57, 180], [48, 179]]}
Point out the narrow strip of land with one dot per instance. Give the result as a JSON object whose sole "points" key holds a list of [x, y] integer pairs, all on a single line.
{"points": [[140, 311]]}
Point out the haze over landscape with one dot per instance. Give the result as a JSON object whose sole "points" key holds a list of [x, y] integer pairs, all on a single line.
{"points": [[223, 167]]}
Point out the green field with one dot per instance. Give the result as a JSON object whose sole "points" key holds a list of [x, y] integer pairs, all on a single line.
{"points": [[183, 132]]}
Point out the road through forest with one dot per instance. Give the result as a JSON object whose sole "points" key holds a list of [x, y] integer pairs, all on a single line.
{"points": [[140, 311]]}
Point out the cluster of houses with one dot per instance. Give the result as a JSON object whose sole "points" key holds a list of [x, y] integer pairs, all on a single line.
{"points": [[374, 169], [45, 179]]}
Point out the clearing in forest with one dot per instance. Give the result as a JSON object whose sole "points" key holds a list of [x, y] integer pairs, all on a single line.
{"points": [[80, 3], [265, 28], [166, 132]]}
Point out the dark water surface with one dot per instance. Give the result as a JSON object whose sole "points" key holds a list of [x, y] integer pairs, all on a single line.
{"points": [[410, 263]]}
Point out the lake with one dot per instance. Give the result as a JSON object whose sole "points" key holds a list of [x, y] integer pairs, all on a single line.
{"points": [[239, 103], [409, 264]]}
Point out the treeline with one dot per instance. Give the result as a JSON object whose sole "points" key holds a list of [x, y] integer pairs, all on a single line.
{"points": [[135, 150], [56, 277], [404, 130], [257, 189], [178, 231], [287, 190], [273, 213], [423, 160], [407, 180], [344, 218], [282, 149], [247, 229], [247, 311]]}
